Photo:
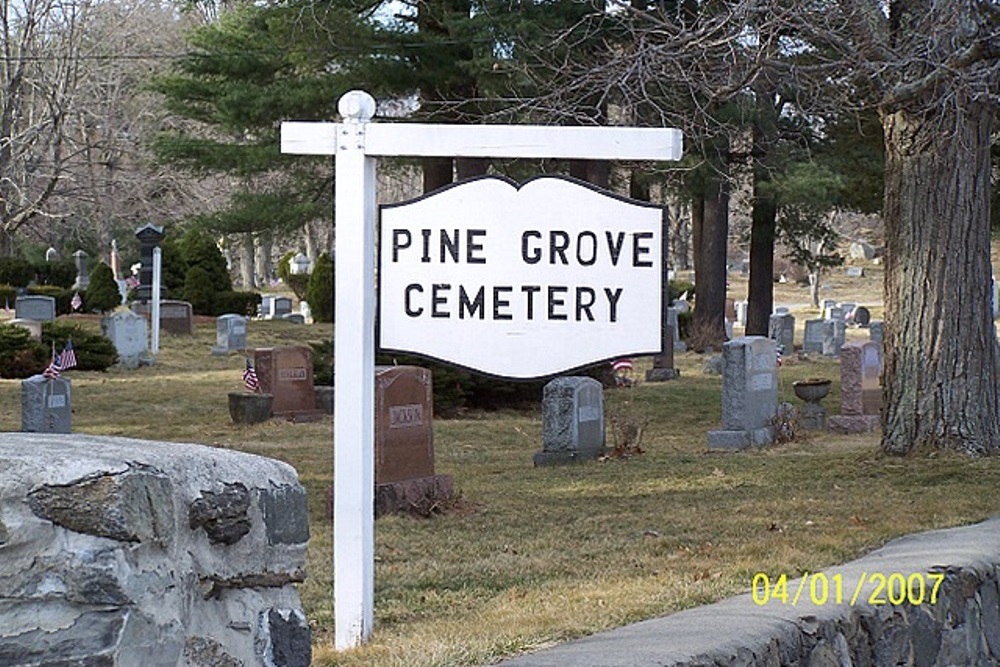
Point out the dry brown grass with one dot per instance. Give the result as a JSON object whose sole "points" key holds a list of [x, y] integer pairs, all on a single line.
{"points": [[528, 557]]}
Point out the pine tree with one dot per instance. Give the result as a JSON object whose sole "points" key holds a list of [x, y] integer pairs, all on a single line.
{"points": [[102, 294]]}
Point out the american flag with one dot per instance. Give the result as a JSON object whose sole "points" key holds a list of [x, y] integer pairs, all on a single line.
{"points": [[778, 350], [622, 365], [132, 282], [76, 301], [52, 371], [67, 359], [250, 377]]}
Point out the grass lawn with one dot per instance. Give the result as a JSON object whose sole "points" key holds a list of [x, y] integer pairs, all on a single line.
{"points": [[528, 557]]}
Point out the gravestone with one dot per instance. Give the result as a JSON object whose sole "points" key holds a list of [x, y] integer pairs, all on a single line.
{"points": [[266, 306], [730, 310], [741, 313], [663, 364], [827, 303], [149, 236], [404, 443], [862, 316], [35, 307], [855, 272], [282, 306], [781, 310], [674, 326], [781, 328], [572, 421], [34, 327], [812, 340], [287, 373], [129, 334], [177, 317], [46, 405], [230, 334], [834, 332], [82, 274], [749, 394], [294, 318], [834, 313], [860, 389], [51, 255], [876, 330]]}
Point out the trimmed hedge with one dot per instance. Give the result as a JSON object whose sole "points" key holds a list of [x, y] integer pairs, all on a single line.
{"points": [[240, 303]]}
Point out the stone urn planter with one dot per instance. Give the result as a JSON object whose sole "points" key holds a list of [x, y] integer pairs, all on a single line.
{"points": [[812, 391], [246, 408]]}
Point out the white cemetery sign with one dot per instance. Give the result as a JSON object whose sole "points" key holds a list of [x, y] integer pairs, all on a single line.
{"points": [[356, 143], [497, 277]]}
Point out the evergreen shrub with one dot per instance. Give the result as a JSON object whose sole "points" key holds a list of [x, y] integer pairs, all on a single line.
{"points": [[20, 355], [319, 293], [102, 295], [94, 352]]}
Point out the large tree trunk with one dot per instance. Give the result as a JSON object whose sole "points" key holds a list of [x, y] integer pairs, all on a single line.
{"points": [[248, 278], [438, 172], [710, 292], [939, 373], [760, 297]]}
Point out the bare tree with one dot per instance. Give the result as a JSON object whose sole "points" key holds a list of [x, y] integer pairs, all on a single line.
{"points": [[40, 42]]}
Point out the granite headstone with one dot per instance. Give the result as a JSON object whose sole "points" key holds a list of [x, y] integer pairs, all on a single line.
{"points": [[572, 420], [749, 394]]}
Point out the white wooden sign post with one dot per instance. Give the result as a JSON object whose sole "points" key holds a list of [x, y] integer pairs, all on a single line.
{"points": [[356, 143]]}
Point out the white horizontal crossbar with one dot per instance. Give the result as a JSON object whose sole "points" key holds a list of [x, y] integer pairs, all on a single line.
{"points": [[501, 141]]}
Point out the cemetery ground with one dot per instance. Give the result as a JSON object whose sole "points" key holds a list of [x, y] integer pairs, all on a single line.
{"points": [[526, 557]]}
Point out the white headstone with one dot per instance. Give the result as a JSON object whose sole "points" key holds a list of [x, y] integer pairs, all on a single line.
{"points": [[129, 334]]}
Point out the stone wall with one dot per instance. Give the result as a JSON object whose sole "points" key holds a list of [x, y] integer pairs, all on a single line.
{"points": [[960, 627], [118, 552]]}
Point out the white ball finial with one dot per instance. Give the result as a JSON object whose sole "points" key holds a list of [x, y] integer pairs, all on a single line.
{"points": [[356, 105]]}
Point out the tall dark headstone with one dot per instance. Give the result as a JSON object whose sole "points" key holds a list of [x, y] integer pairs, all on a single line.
{"points": [[149, 236]]}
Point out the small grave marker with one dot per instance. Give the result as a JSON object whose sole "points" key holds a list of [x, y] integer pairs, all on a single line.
{"points": [[230, 334], [781, 328], [128, 332], [572, 421], [46, 405], [287, 373], [813, 336], [35, 307], [860, 389]]}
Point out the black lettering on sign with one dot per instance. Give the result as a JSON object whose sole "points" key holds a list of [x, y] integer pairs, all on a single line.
{"points": [[401, 240], [499, 303], [471, 247], [615, 248], [558, 243], [556, 302], [638, 250], [471, 307], [407, 294], [530, 255], [449, 245], [531, 291], [583, 257], [439, 297], [426, 233], [613, 302], [585, 298]]}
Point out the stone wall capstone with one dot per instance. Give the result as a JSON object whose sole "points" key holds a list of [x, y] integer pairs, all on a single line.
{"points": [[961, 626], [120, 552]]}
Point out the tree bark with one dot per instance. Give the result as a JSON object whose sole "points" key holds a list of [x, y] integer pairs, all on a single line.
{"points": [[247, 272], [710, 292], [760, 291], [939, 372], [438, 172]]}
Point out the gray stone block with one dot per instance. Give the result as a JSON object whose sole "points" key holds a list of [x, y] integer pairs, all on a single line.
{"points": [[733, 440], [46, 405], [572, 420], [286, 515]]}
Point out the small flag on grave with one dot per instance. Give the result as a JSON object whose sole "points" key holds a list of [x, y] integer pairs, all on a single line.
{"points": [[67, 359], [76, 301], [52, 371], [622, 371], [132, 282], [250, 377]]}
